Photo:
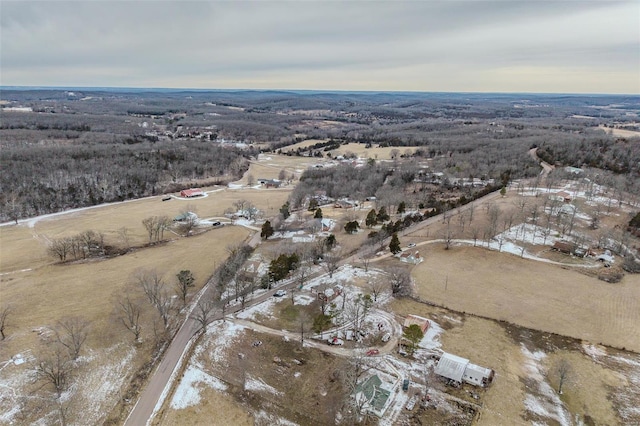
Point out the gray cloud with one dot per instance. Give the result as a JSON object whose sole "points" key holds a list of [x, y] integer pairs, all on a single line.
{"points": [[389, 45]]}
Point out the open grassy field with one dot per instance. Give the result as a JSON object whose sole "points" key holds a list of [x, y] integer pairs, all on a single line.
{"points": [[42, 296], [532, 294], [375, 152], [623, 133], [41, 292], [24, 246]]}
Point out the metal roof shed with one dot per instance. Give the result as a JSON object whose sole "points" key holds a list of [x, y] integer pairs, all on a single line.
{"points": [[451, 366], [477, 375]]}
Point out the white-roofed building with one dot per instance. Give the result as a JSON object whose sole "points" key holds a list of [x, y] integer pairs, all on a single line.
{"points": [[451, 366], [461, 370]]}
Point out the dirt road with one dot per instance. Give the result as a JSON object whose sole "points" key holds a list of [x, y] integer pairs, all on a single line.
{"points": [[546, 167], [396, 332]]}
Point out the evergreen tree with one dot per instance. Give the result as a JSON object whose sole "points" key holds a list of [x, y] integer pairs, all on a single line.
{"points": [[383, 216], [267, 230], [318, 214], [371, 219], [351, 227], [413, 334], [313, 204], [284, 210], [331, 241], [402, 207], [394, 245]]}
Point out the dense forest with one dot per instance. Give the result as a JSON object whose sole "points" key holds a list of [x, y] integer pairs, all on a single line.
{"points": [[45, 179], [78, 147]]}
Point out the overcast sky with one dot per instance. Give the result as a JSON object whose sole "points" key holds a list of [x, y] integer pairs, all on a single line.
{"points": [[458, 46]]}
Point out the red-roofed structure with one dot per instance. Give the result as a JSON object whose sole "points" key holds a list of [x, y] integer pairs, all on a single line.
{"points": [[190, 193], [423, 323]]}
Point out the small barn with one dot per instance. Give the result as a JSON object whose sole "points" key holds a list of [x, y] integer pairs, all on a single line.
{"points": [[461, 370], [423, 323], [190, 193]]}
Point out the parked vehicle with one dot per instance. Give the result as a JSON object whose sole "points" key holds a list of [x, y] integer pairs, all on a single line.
{"points": [[386, 337], [335, 341], [280, 293], [372, 352], [411, 245], [405, 384]]}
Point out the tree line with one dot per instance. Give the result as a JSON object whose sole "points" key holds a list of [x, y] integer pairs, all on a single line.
{"points": [[47, 179]]}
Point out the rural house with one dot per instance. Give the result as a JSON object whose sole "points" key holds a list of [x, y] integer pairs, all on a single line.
{"points": [[190, 193], [460, 370], [563, 196], [272, 183], [373, 395], [183, 217], [413, 258], [345, 204]]}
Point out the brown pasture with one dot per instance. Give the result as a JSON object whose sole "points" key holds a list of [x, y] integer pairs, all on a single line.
{"points": [[531, 294], [375, 152], [42, 296], [23, 247]]}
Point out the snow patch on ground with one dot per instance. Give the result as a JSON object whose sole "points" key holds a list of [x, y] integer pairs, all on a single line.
{"points": [[431, 339], [546, 403], [264, 418], [103, 383], [187, 393], [303, 299], [220, 335], [265, 308], [594, 351], [258, 385]]}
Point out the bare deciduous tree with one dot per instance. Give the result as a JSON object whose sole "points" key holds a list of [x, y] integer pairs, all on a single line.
{"points": [[5, 310], [185, 281], [71, 333], [153, 287], [125, 237], [352, 375], [376, 286], [331, 263], [204, 314], [60, 248], [54, 367], [150, 282], [400, 279], [129, 315], [562, 371], [155, 226]]}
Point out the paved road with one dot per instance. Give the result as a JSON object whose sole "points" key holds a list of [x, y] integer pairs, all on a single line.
{"points": [[142, 412]]}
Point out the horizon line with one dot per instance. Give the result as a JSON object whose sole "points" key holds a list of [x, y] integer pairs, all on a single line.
{"points": [[186, 89]]}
